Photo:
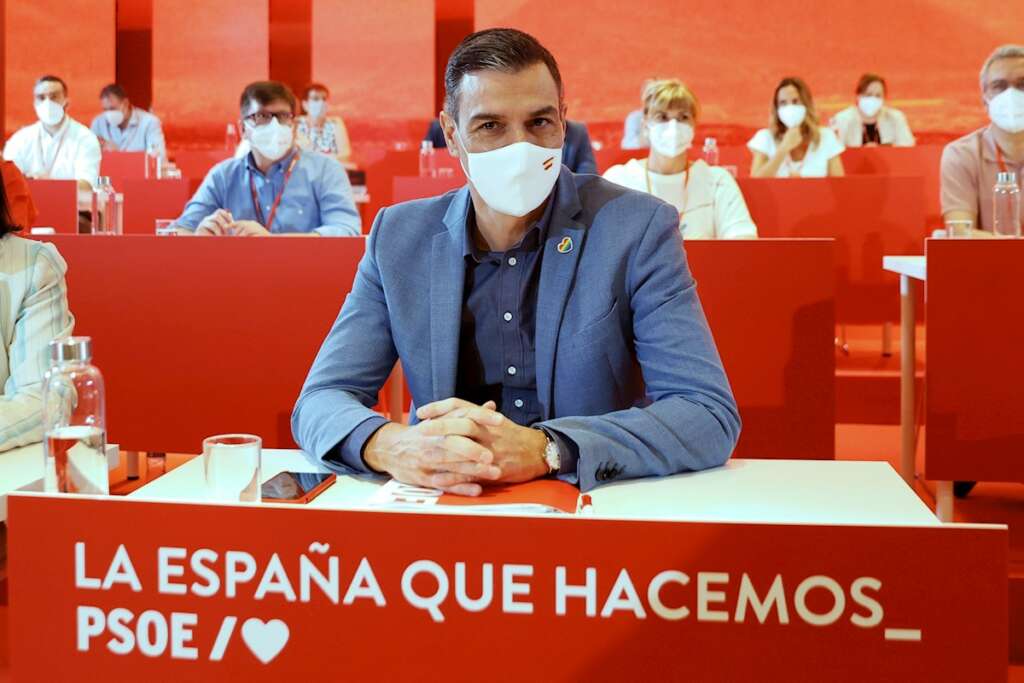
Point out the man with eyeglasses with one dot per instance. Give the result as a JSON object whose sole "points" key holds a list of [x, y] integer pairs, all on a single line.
{"points": [[275, 189], [970, 164]]}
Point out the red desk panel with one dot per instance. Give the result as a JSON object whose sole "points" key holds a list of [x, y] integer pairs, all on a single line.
{"points": [[145, 201], [869, 216], [196, 163], [975, 371], [922, 160], [204, 336], [405, 188], [123, 165], [57, 202], [777, 346]]}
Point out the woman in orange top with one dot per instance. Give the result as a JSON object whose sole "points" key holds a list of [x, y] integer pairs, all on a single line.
{"points": [[19, 199]]}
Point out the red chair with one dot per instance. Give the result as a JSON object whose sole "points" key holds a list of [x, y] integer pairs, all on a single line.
{"points": [[57, 203], [146, 201]]}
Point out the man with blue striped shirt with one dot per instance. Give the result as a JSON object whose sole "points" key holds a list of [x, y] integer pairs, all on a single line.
{"points": [[276, 189], [126, 128]]}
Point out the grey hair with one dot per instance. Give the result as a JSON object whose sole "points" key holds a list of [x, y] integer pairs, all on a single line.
{"points": [[1008, 51]]}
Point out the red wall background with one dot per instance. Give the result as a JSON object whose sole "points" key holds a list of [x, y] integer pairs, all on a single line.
{"points": [[732, 52], [82, 54]]}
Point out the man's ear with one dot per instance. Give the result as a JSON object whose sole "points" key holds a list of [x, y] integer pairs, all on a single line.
{"points": [[448, 125]]}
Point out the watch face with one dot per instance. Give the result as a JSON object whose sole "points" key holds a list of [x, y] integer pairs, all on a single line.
{"points": [[551, 455]]}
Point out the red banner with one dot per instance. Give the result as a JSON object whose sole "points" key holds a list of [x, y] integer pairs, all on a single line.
{"points": [[120, 589]]}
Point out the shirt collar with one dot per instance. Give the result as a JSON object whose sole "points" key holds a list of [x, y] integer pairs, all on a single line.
{"points": [[533, 237], [988, 147], [277, 167], [63, 127]]}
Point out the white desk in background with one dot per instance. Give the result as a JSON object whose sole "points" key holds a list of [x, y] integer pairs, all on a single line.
{"points": [[762, 491]]}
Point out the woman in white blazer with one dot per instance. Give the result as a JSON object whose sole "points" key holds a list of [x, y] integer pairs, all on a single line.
{"points": [[869, 122], [33, 310]]}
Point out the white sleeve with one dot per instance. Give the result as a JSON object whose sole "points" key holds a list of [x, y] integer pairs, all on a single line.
{"points": [[87, 159], [14, 150], [762, 142], [732, 218], [616, 174], [829, 143]]}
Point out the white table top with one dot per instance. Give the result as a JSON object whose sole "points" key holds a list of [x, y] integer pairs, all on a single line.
{"points": [[911, 266], [22, 468], [762, 491]]}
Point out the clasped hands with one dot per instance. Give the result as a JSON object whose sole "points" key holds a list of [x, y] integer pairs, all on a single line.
{"points": [[221, 222], [458, 447]]}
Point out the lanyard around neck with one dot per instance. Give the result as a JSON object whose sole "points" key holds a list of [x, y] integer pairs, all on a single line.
{"points": [[56, 152], [277, 200]]}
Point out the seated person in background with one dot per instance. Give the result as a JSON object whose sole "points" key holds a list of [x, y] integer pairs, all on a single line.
{"points": [[276, 188], [577, 154], [526, 264], [56, 147], [20, 206], [634, 134], [319, 132], [870, 122], [436, 135], [970, 164], [126, 128], [708, 199], [33, 310], [794, 145]]}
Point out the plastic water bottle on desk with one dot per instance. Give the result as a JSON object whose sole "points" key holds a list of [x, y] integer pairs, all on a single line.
{"points": [[153, 162], [231, 138], [106, 208], [711, 151], [427, 159], [1006, 205], [74, 420]]}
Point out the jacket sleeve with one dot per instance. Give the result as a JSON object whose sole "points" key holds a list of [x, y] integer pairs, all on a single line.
{"points": [[351, 367], [692, 422]]}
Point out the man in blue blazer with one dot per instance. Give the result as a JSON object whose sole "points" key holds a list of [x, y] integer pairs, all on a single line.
{"points": [[547, 323]]}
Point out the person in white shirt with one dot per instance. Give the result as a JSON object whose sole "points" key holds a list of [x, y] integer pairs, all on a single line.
{"points": [[707, 198], [56, 147], [794, 145], [869, 122], [33, 310]]}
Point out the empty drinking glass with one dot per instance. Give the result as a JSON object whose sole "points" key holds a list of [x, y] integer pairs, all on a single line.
{"points": [[959, 229], [231, 464]]}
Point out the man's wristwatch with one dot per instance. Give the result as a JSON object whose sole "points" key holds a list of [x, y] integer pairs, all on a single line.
{"points": [[552, 455]]}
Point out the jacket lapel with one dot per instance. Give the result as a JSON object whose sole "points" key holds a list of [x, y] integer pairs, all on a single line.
{"points": [[557, 275], [447, 278]]}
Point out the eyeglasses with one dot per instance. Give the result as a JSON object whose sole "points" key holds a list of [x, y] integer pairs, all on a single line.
{"points": [[1001, 85], [262, 118]]}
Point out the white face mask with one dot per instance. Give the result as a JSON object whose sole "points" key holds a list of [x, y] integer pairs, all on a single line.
{"points": [[1007, 110], [792, 115], [670, 138], [869, 106], [49, 112], [315, 107], [514, 179], [115, 117], [272, 140]]}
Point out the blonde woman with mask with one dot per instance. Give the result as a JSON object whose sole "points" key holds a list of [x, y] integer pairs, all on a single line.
{"points": [[795, 145], [707, 198]]}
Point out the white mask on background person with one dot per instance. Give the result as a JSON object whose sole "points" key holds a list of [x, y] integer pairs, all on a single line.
{"points": [[49, 112], [1007, 110], [514, 179], [670, 138], [315, 107], [272, 140], [792, 115], [869, 105], [114, 117]]}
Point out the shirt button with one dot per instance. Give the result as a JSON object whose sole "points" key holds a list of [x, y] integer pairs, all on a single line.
{"points": [[518, 403], [511, 370], [512, 260], [507, 317]]}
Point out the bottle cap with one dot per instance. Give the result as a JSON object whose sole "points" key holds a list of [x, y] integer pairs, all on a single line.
{"points": [[103, 180], [71, 350], [1006, 178], [427, 144]]}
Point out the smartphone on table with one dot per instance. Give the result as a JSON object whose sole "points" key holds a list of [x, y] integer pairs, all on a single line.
{"points": [[296, 487]]}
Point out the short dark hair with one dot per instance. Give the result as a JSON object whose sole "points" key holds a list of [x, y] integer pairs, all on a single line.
{"points": [[265, 92], [315, 87], [497, 49], [6, 222], [868, 79], [113, 90], [52, 79]]}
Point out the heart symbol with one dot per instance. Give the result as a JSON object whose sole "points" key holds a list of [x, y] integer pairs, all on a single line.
{"points": [[265, 639]]}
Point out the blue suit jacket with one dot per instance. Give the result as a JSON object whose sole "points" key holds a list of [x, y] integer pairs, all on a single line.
{"points": [[577, 152], [626, 365]]}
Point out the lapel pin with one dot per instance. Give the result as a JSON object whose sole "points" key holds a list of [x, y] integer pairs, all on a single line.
{"points": [[565, 246]]}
